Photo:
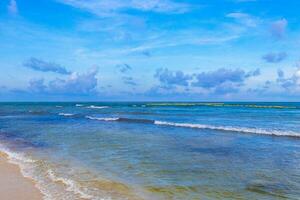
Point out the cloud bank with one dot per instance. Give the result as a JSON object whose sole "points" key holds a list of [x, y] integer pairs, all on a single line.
{"points": [[74, 84]]}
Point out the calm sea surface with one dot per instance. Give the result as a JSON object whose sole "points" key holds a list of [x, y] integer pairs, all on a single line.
{"points": [[183, 151]]}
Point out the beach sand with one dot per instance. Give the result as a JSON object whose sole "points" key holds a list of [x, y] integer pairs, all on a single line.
{"points": [[13, 185]]}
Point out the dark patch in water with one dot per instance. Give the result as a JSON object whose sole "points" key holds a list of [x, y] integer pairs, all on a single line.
{"points": [[268, 188], [222, 151], [146, 121], [19, 141]]}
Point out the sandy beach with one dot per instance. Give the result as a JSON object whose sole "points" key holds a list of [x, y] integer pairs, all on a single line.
{"points": [[13, 185]]}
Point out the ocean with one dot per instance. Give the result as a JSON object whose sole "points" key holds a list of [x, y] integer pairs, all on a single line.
{"points": [[156, 150]]}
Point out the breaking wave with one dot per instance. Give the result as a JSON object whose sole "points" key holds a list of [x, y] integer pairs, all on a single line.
{"points": [[201, 126], [231, 129]]}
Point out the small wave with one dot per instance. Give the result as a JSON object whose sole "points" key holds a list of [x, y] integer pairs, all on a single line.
{"points": [[70, 184], [97, 107], [58, 106], [26, 165], [78, 105], [231, 129], [37, 112], [46, 181], [66, 114], [121, 119]]}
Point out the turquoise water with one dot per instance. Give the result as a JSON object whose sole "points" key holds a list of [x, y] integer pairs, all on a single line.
{"points": [[156, 150]]}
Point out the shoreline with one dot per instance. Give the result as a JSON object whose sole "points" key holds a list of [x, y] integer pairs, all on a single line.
{"points": [[13, 185]]}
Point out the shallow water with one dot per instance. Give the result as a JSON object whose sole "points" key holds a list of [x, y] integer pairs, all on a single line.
{"points": [[156, 150]]}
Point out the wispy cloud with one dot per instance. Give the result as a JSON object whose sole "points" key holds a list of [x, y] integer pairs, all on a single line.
{"points": [[115, 7], [181, 40], [43, 66], [244, 19]]}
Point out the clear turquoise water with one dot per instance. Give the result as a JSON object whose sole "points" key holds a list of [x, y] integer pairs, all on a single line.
{"points": [[156, 150]]}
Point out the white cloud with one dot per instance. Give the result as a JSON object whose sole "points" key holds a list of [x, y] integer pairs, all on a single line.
{"points": [[75, 84]]}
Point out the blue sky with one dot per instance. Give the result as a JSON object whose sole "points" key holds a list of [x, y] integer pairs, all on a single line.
{"points": [[137, 50]]}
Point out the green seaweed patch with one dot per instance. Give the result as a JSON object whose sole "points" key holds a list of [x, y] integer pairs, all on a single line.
{"points": [[175, 191]]}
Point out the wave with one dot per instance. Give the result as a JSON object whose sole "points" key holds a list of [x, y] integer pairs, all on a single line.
{"points": [[97, 107], [66, 114], [78, 105], [202, 126], [26, 165], [231, 129], [71, 185], [52, 187], [122, 119]]}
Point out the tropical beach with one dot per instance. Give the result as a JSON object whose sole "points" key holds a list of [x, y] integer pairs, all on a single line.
{"points": [[149, 100]]}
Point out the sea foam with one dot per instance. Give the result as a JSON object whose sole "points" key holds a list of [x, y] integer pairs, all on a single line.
{"points": [[66, 114], [46, 180], [97, 107], [103, 118]]}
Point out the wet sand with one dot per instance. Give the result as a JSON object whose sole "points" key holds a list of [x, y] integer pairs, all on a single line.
{"points": [[13, 185]]}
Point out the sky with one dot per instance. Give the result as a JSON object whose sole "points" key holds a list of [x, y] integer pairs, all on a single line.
{"points": [[149, 50]]}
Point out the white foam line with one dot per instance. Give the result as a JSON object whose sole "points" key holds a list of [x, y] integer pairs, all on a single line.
{"points": [[97, 107], [71, 185], [230, 128], [65, 114], [22, 161], [28, 168], [103, 118]]}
